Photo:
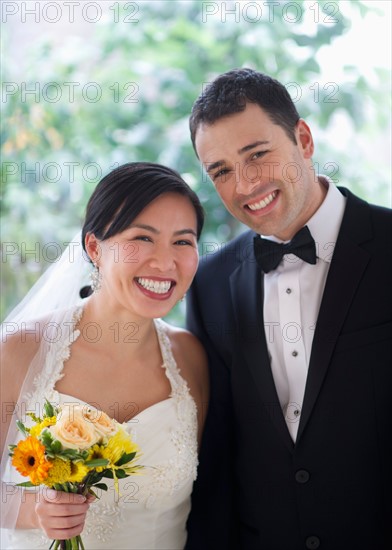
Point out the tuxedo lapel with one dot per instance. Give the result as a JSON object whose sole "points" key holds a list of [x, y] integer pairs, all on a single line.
{"points": [[348, 264], [246, 293]]}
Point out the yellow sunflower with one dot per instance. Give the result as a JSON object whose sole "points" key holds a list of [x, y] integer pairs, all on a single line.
{"points": [[29, 459], [95, 452], [78, 472]]}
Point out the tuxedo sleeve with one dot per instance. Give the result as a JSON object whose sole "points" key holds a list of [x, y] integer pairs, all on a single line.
{"points": [[211, 523]]}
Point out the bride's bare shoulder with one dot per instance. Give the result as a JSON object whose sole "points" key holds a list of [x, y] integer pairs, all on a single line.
{"points": [[186, 347], [24, 337], [20, 343]]}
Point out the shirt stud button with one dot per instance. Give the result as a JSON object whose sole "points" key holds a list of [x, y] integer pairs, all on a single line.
{"points": [[302, 476], [288, 291], [294, 353]]}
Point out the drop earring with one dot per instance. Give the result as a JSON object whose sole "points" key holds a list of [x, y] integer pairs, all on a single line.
{"points": [[96, 278]]}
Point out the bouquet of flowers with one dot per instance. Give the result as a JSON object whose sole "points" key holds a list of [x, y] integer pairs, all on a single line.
{"points": [[71, 448]]}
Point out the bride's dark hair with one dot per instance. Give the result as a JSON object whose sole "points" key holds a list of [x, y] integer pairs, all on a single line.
{"points": [[123, 193]]}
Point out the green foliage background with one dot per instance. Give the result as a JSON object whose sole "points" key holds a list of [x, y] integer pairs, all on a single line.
{"points": [[149, 73]]}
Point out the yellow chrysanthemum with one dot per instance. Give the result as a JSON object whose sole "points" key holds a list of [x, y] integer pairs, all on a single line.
{"points": [[116, 446], [35, 431], [29, 459], [59, 473], [78, 472]]}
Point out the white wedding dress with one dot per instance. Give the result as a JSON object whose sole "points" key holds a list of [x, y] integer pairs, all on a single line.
{"points": [[151, 510]]}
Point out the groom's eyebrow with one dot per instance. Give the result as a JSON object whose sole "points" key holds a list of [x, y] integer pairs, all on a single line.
{"points": [[209, 166], [251, 146]]}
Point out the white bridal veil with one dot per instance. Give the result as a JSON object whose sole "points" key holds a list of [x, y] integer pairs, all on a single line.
{"points": [[26, 337]]}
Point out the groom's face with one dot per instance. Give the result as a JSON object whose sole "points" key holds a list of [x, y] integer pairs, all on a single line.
{"points": [[264, 179]]}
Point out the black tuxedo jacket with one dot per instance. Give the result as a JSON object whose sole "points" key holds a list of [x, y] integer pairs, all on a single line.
{"points": [[332, 489]]}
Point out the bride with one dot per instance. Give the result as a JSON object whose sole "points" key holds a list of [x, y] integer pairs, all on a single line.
{"points": [[112, 351]]}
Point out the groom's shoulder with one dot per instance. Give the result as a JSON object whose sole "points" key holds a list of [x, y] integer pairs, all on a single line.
{"points": [[373, 220], [227, 256], [360, 205]]}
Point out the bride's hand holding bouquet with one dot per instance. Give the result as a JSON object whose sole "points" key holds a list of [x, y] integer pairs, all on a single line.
{"points": [[71, 449]]}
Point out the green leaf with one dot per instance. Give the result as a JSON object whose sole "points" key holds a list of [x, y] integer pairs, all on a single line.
{"points": [[96, 462], [26, 484], [56, 446], [21, 427], [69, 456], [121, 474], [102, 486], [107, 473], [46, 438], [126, 457], [48, 408]]}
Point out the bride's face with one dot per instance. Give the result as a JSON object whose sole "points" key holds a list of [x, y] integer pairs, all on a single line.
{"points": [[148, 267]]}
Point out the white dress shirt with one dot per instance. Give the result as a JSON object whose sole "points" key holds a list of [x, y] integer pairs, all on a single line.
{"points": [[292, 298]]}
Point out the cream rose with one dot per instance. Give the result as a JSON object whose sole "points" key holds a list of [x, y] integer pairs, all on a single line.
{"points": [[73, 429], [103, 424]]}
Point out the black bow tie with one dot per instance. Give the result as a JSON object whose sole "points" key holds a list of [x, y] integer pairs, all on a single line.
{"points": [[269, 254]]}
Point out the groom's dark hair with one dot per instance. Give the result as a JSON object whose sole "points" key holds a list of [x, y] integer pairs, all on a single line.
{"points": [[230, 92]]}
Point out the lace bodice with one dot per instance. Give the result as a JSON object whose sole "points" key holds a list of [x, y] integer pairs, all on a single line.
{"points": [[151, 509]]}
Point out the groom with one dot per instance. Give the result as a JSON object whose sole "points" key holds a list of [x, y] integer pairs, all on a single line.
{"points": [[297, 451]]}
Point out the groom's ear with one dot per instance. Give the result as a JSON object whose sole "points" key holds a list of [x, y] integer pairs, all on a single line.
{"points": [[92, 247], [304, 139]]}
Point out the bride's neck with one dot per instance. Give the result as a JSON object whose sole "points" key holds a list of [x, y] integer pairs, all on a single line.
{"points": [[116, 329]]}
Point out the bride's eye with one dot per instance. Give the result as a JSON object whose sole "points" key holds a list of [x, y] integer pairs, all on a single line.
{"points": [[184, 242], [144, 238]]}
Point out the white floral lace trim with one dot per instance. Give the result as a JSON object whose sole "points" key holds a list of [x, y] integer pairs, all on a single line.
{"points": [[52, 372]]}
